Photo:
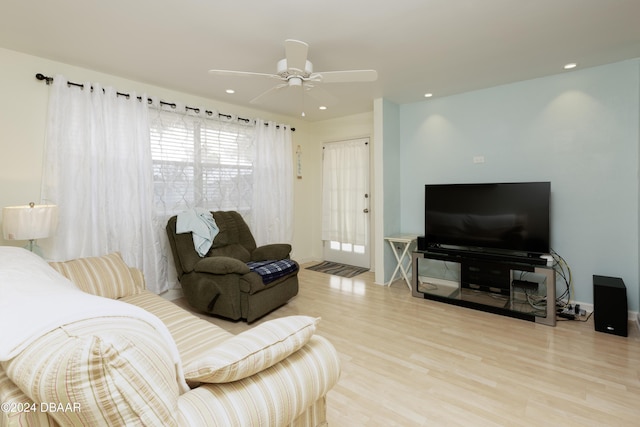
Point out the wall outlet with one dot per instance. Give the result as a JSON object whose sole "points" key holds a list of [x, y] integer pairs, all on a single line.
{"points": [[478, 159]]}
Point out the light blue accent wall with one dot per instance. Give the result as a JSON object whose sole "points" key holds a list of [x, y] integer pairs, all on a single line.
{"points": [[579, 130], [392, 181]]}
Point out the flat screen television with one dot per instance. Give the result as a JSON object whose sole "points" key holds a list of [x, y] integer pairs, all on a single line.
{"points": [[510, 218]]}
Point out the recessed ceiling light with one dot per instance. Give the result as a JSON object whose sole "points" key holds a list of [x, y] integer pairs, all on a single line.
{"points": [[322, 107], [230, 91], [570, 65], [428, 95]]}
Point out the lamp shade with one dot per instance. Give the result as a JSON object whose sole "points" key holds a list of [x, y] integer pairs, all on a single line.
{"points": [[29, 222]]}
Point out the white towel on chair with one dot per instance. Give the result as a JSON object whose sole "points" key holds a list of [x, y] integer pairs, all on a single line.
{"points": [[200, 223]]}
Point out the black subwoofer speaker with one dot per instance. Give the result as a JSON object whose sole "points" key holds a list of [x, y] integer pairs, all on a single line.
{"points": [[610, 305]]}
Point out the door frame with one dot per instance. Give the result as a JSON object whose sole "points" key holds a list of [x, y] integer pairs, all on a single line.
{"points": [[346, 253]]}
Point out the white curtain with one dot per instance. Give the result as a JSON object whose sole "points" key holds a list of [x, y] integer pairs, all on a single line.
{"points": [[273, 184], [199, 160], [345, 183], [97, 169]]}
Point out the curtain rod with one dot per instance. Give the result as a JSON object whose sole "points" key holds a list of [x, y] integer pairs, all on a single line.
{"points": [[48, 80]]}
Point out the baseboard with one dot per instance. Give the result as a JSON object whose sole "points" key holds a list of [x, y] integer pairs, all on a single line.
{"points": [[632, 316], [304, 261]]}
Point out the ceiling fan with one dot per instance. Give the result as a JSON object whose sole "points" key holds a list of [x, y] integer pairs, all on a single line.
{"points": [[295, 72]]}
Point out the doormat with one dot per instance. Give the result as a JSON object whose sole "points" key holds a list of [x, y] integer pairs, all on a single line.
{"points": [[342, 270]]}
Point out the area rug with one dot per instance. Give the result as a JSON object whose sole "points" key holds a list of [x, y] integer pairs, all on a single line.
{"points": [[342, 270]]}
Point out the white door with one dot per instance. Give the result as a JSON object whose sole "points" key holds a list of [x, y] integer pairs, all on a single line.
{"points": [[345, 202]]}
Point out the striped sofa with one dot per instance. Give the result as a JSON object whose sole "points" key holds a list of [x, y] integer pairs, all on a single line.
{"points": [[83, 343]]}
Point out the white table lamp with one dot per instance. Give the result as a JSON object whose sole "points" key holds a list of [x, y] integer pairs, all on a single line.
{"points": [[29, 222]]}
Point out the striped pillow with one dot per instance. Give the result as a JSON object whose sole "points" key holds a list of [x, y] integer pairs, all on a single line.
{"points": [[102, 371], [107, 276], [251, 351]]}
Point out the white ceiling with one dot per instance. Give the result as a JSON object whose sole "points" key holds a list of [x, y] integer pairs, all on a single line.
{"points": [[417, 46]]}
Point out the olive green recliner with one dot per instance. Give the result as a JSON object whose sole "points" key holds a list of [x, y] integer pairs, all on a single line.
{"points": [[222, 283]]}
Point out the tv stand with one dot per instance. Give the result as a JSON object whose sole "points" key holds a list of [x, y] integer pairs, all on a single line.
{"points": [[524, 258], [512, 286]]}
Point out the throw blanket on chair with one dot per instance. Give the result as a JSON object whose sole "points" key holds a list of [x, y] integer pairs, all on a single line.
{"points": [[272, 270], [200, 223]]}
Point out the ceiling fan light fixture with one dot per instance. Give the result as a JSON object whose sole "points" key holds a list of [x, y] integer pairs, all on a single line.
{"points": [[296, 76], [295, 81]]}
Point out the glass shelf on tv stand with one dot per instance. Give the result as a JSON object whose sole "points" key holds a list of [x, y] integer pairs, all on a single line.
{"points": [[438, 277]]}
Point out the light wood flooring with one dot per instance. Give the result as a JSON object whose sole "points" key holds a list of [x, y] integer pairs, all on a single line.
{"points": [[413, 362]]}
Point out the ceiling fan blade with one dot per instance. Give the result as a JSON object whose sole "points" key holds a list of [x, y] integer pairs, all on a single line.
{"points": [[322, 96], [243, 74], [260, 98], [296, 53], [346, 76]]}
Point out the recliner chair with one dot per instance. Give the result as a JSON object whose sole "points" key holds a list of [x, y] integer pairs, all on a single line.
{"points": [[227, 282]]}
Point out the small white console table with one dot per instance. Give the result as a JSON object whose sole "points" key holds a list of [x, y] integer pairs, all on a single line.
{"points": [[404, 243]]}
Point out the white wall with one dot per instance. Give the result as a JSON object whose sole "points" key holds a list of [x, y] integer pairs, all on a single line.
{"points": [[579, 130], [332, 130], [23, 108], [22, 127]]}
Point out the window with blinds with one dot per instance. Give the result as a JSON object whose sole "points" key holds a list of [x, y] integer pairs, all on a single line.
{"points": [[201, 162]]}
